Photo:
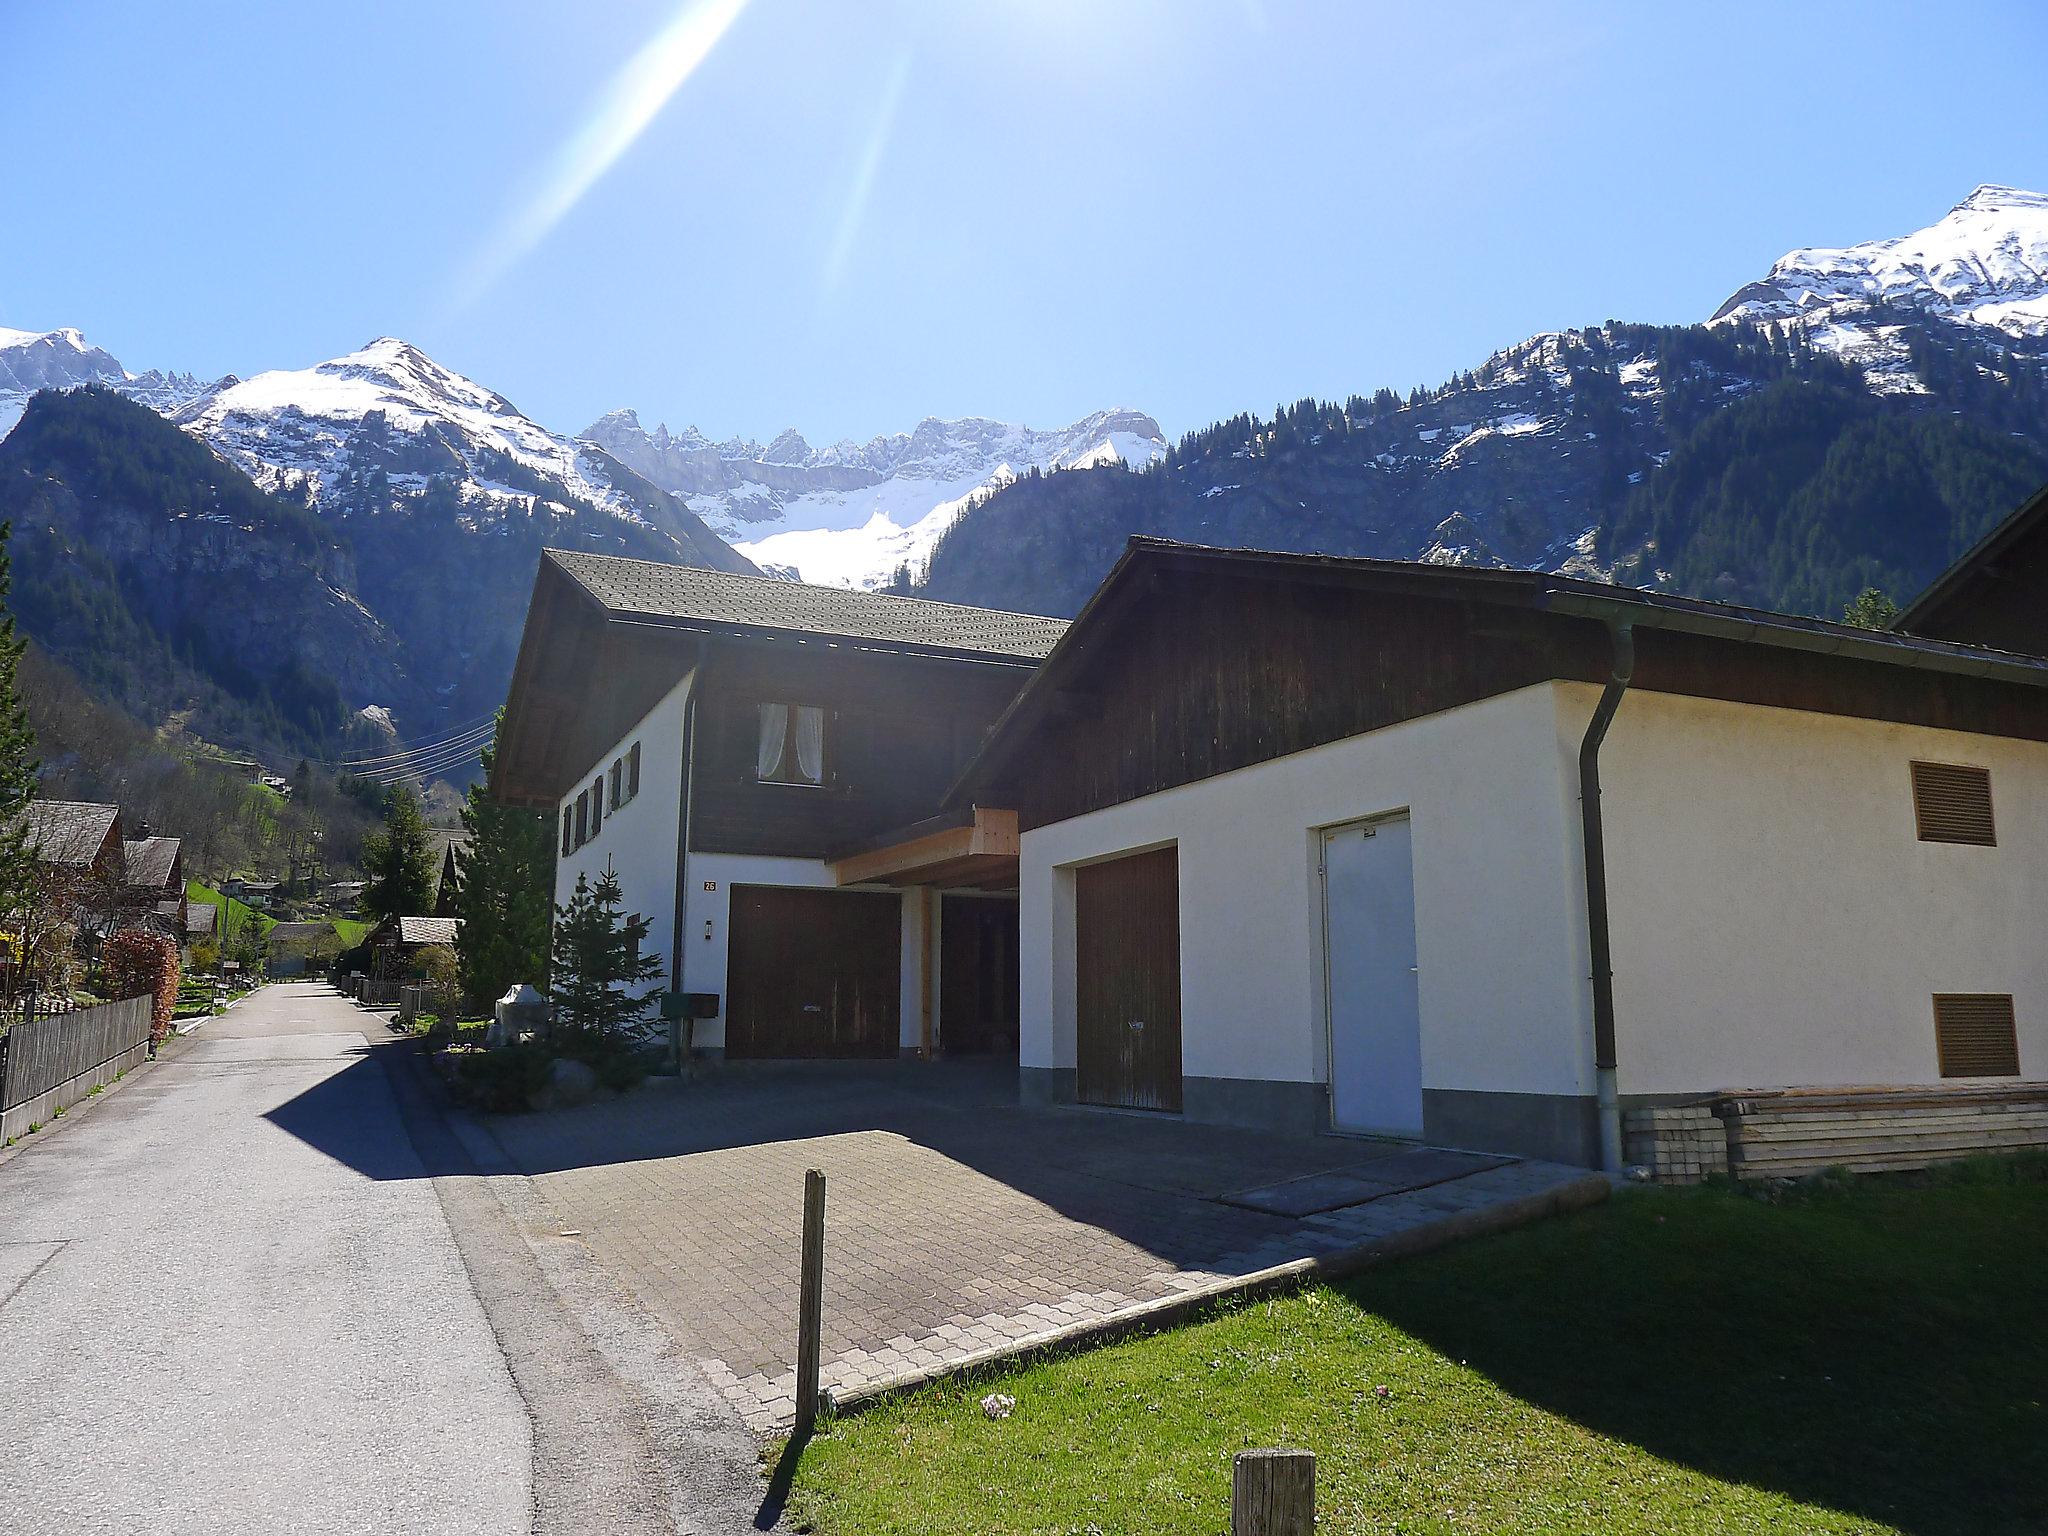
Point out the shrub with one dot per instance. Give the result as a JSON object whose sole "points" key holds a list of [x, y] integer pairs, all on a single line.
{"points": [[135, 961], [435, 967], [621, 1070], [205, 956], [498, 1080]]}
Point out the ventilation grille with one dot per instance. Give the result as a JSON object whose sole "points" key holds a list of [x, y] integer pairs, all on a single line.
{"points": [[1974, 1034], [1952, 804]]}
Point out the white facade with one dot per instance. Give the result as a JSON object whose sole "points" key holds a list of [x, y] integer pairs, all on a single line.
{"points": [[1778, 922], [1502, 974], [705, 930], [1775, 920], [638, 839]]}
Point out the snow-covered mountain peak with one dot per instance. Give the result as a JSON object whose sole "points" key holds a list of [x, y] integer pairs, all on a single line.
{"points": [[1985, 262], [854, 513], [1994, 197], [388, 421], [64, 359]]}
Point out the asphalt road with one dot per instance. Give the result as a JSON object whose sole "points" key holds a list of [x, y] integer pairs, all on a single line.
{"points": [[264, 1286]]}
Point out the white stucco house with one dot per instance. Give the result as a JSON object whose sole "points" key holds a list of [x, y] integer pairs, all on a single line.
{"points": [[761, 764], [1304, 843]]}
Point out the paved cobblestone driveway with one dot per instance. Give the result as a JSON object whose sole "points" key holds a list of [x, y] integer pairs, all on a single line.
{"points": [[955, 1221]]}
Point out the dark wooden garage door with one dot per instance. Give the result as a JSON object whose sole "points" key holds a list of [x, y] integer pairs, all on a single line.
{"points": [[813, 973], [1127, 974], [977, 975]]}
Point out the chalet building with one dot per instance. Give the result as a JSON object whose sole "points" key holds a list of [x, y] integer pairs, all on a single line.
{"points": [[81, 839], [155, 881], [1489, 857], [394, 944], [762, 765], [1997, 593]]}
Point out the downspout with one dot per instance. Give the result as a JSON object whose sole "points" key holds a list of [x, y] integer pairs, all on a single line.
{"points": [[681, 1027], [1599, 940]]}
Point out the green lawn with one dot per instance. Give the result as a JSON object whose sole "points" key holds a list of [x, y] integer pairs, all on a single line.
{"points": [[1869, 1358], [234, 913], [352, 931]]}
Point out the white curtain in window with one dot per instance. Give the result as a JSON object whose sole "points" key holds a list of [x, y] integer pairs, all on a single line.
{"points": [[774, 735], [810, 743]]}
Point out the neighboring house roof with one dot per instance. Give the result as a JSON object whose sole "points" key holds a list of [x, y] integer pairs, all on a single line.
{"points": [[200, 917], [690, 597], [1995, 586], [151, 861], [417, 930], [69, 833], [1530, 590]]}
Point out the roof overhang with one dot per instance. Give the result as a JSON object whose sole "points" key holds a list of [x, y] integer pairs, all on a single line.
{"points": [[1147, 560], [973, 848], [1976, 568]]}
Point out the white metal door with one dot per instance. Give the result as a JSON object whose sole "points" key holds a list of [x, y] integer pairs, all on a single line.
{"points": [[1369, 948]]}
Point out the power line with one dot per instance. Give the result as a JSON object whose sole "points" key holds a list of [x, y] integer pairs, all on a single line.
{"points": [[425, 748], [424, 766]]}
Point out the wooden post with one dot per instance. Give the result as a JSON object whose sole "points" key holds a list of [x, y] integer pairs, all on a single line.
{"points": [[810, 1303], [927, 936], [1273, 1493]]}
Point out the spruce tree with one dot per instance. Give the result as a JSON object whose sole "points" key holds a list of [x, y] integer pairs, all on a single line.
{"points": [[598, 963], [19, 883], [503, 882], [399, 859]]}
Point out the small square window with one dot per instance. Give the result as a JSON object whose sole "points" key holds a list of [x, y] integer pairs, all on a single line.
{"points": [[792, 745]]}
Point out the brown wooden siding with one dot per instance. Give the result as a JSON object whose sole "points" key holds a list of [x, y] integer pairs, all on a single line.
{"points": [[1208, 673], [1204, 672], [813, 973], [897, 731], [1127, 981]]}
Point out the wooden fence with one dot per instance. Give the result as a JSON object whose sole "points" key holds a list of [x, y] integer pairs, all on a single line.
{"points": [[50, 1062]]}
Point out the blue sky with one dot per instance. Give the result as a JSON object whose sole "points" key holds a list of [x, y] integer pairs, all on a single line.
{"points": [[846, 216]]}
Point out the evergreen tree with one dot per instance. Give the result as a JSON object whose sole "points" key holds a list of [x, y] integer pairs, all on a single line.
{"points": [[399, 859], [1872, 609], [598, 963], [18, 767], [502, 886]]}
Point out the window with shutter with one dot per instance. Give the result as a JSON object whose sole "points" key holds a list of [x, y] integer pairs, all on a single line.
{"points": [[1952, 804], [618, 781], [596, 805], [583, 818], [1975, 1034], [568, 830], [633, 771]]}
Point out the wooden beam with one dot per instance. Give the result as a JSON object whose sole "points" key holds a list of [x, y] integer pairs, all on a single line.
{"points": [[991, 836]]}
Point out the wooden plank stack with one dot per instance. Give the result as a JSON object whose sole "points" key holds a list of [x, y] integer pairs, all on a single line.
{"points": [[1793, 1133], [1679, 1144]]}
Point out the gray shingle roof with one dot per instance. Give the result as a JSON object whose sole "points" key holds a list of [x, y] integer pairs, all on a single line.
{"points": [[717, 599], [69, 833], [200, 916], [150, 860], [427, 930]]}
